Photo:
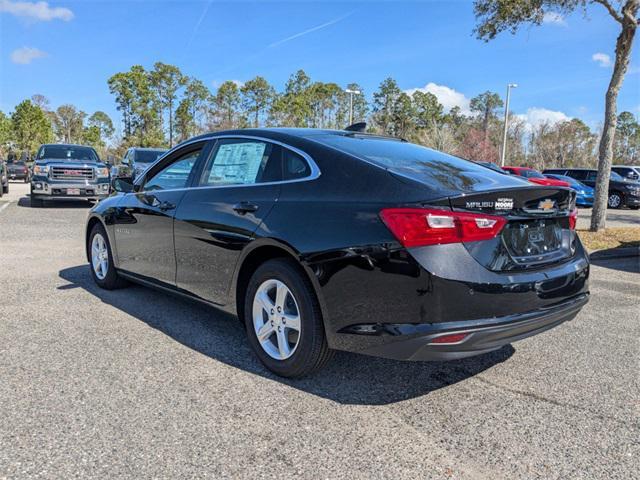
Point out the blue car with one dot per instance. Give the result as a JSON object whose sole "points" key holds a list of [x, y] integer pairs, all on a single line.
{"points": [[584, 193]]}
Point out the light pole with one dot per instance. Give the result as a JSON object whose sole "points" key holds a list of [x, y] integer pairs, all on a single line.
{"points": [[351, 94], [506, 123]]}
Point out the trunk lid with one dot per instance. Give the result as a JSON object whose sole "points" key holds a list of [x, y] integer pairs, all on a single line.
{"points": [[537, 232]]}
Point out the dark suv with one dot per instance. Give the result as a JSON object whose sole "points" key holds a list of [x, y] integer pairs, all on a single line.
{"points": [[136, 161], [621, 192]]}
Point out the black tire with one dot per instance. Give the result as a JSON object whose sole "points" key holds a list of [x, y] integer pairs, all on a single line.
{"points": [[312, 351], [111, 280], [615, 200], [6, 188], [634, 207]]}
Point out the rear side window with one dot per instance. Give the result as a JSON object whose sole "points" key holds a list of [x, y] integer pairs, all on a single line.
{"points": [[242, 162], [294, 166]]}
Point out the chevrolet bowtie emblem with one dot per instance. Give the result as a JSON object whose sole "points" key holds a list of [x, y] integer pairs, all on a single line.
{"points": [[546, 205]]}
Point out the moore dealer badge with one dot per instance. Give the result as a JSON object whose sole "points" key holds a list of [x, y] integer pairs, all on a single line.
{"points": [[499, 204]]}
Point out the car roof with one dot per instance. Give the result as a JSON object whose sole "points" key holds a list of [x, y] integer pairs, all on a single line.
{"points": [[279, 132], [65, 145], [150, 149]]}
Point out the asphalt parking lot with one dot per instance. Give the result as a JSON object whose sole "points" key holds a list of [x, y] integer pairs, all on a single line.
{"points": [[624, 217], [135, 384]]}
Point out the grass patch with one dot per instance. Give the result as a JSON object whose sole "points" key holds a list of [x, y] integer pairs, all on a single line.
{"points": [[610, 238]]}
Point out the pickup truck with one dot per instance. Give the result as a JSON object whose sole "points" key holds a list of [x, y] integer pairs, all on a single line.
{"points": [[68, 171], [18, 170]]}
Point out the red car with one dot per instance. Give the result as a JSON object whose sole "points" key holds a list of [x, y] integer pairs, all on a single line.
{"points": [[535, 176]]}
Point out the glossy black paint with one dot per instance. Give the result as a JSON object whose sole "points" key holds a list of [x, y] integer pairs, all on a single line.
{"points": [[364, 279]]}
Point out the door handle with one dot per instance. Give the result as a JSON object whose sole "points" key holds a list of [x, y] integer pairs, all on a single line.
{"points": [[164, 206], [245, 207]]}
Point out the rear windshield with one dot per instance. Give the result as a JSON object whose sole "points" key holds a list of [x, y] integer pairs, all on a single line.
{"points": [[68, 152], [398, 155], [148, 156]]}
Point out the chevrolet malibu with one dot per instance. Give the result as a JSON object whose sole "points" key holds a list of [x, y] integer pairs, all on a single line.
{"points": [[323, 240]]}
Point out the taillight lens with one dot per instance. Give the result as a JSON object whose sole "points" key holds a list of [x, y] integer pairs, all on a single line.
{"points": [[416, 227], [573, 219]]}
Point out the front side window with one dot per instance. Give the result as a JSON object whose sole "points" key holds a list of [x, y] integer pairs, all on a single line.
{"points": [[242, 162], [175, 175]]}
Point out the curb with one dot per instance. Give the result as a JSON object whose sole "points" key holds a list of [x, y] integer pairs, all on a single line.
{"points": [[610, 253]]}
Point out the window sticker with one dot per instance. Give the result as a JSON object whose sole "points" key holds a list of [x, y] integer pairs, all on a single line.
{"points": [[237, 163]]}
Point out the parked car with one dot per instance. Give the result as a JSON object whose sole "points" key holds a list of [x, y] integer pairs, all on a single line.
{"points": [[18, 170], [621, 192], [535, 176], [325, 240], [68, 171], [628, 172], [4, 178], [584, 193], [136, 161]]}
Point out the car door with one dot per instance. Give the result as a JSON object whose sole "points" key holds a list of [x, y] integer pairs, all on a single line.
{"points": [[238, 187], [144, 218]]}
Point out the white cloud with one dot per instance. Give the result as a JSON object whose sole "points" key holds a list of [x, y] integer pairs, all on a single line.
{"points": [[26, 55], [554, 18], [35, 11], [448, 97], [537, 116], [602, 59]]}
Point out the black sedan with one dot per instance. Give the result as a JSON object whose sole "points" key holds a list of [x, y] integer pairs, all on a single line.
{"points": [[326, 240]]}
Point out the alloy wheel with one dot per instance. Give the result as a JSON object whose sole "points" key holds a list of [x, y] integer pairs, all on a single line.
{"points": [[276, 319], [614, 200], [99, 256]]}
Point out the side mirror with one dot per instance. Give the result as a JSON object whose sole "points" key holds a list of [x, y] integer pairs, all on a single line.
{"points": [[122, 184], [125, 161]]}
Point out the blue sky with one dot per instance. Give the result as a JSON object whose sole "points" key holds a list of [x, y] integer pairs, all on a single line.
{"points": [[66, 50]]}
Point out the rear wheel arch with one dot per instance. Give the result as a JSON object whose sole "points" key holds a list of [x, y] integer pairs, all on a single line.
{"points": [[259, 254]]}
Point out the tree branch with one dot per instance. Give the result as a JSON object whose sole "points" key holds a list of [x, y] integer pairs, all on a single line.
{"points": [[617, 17]]}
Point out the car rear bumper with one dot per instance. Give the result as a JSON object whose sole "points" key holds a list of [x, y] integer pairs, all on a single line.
{"points": [[374, 299], [414, 341], [17, 176]]}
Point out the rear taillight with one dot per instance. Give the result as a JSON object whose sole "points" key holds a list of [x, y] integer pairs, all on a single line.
{"points": [[573, 219], [416, 227]]}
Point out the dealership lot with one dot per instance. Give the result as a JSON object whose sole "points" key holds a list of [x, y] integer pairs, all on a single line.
{"points": [[133, 383]]}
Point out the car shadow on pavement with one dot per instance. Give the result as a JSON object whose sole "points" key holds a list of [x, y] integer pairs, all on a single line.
{"points": [[349, 378], [59, 203], [629, 263]]}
